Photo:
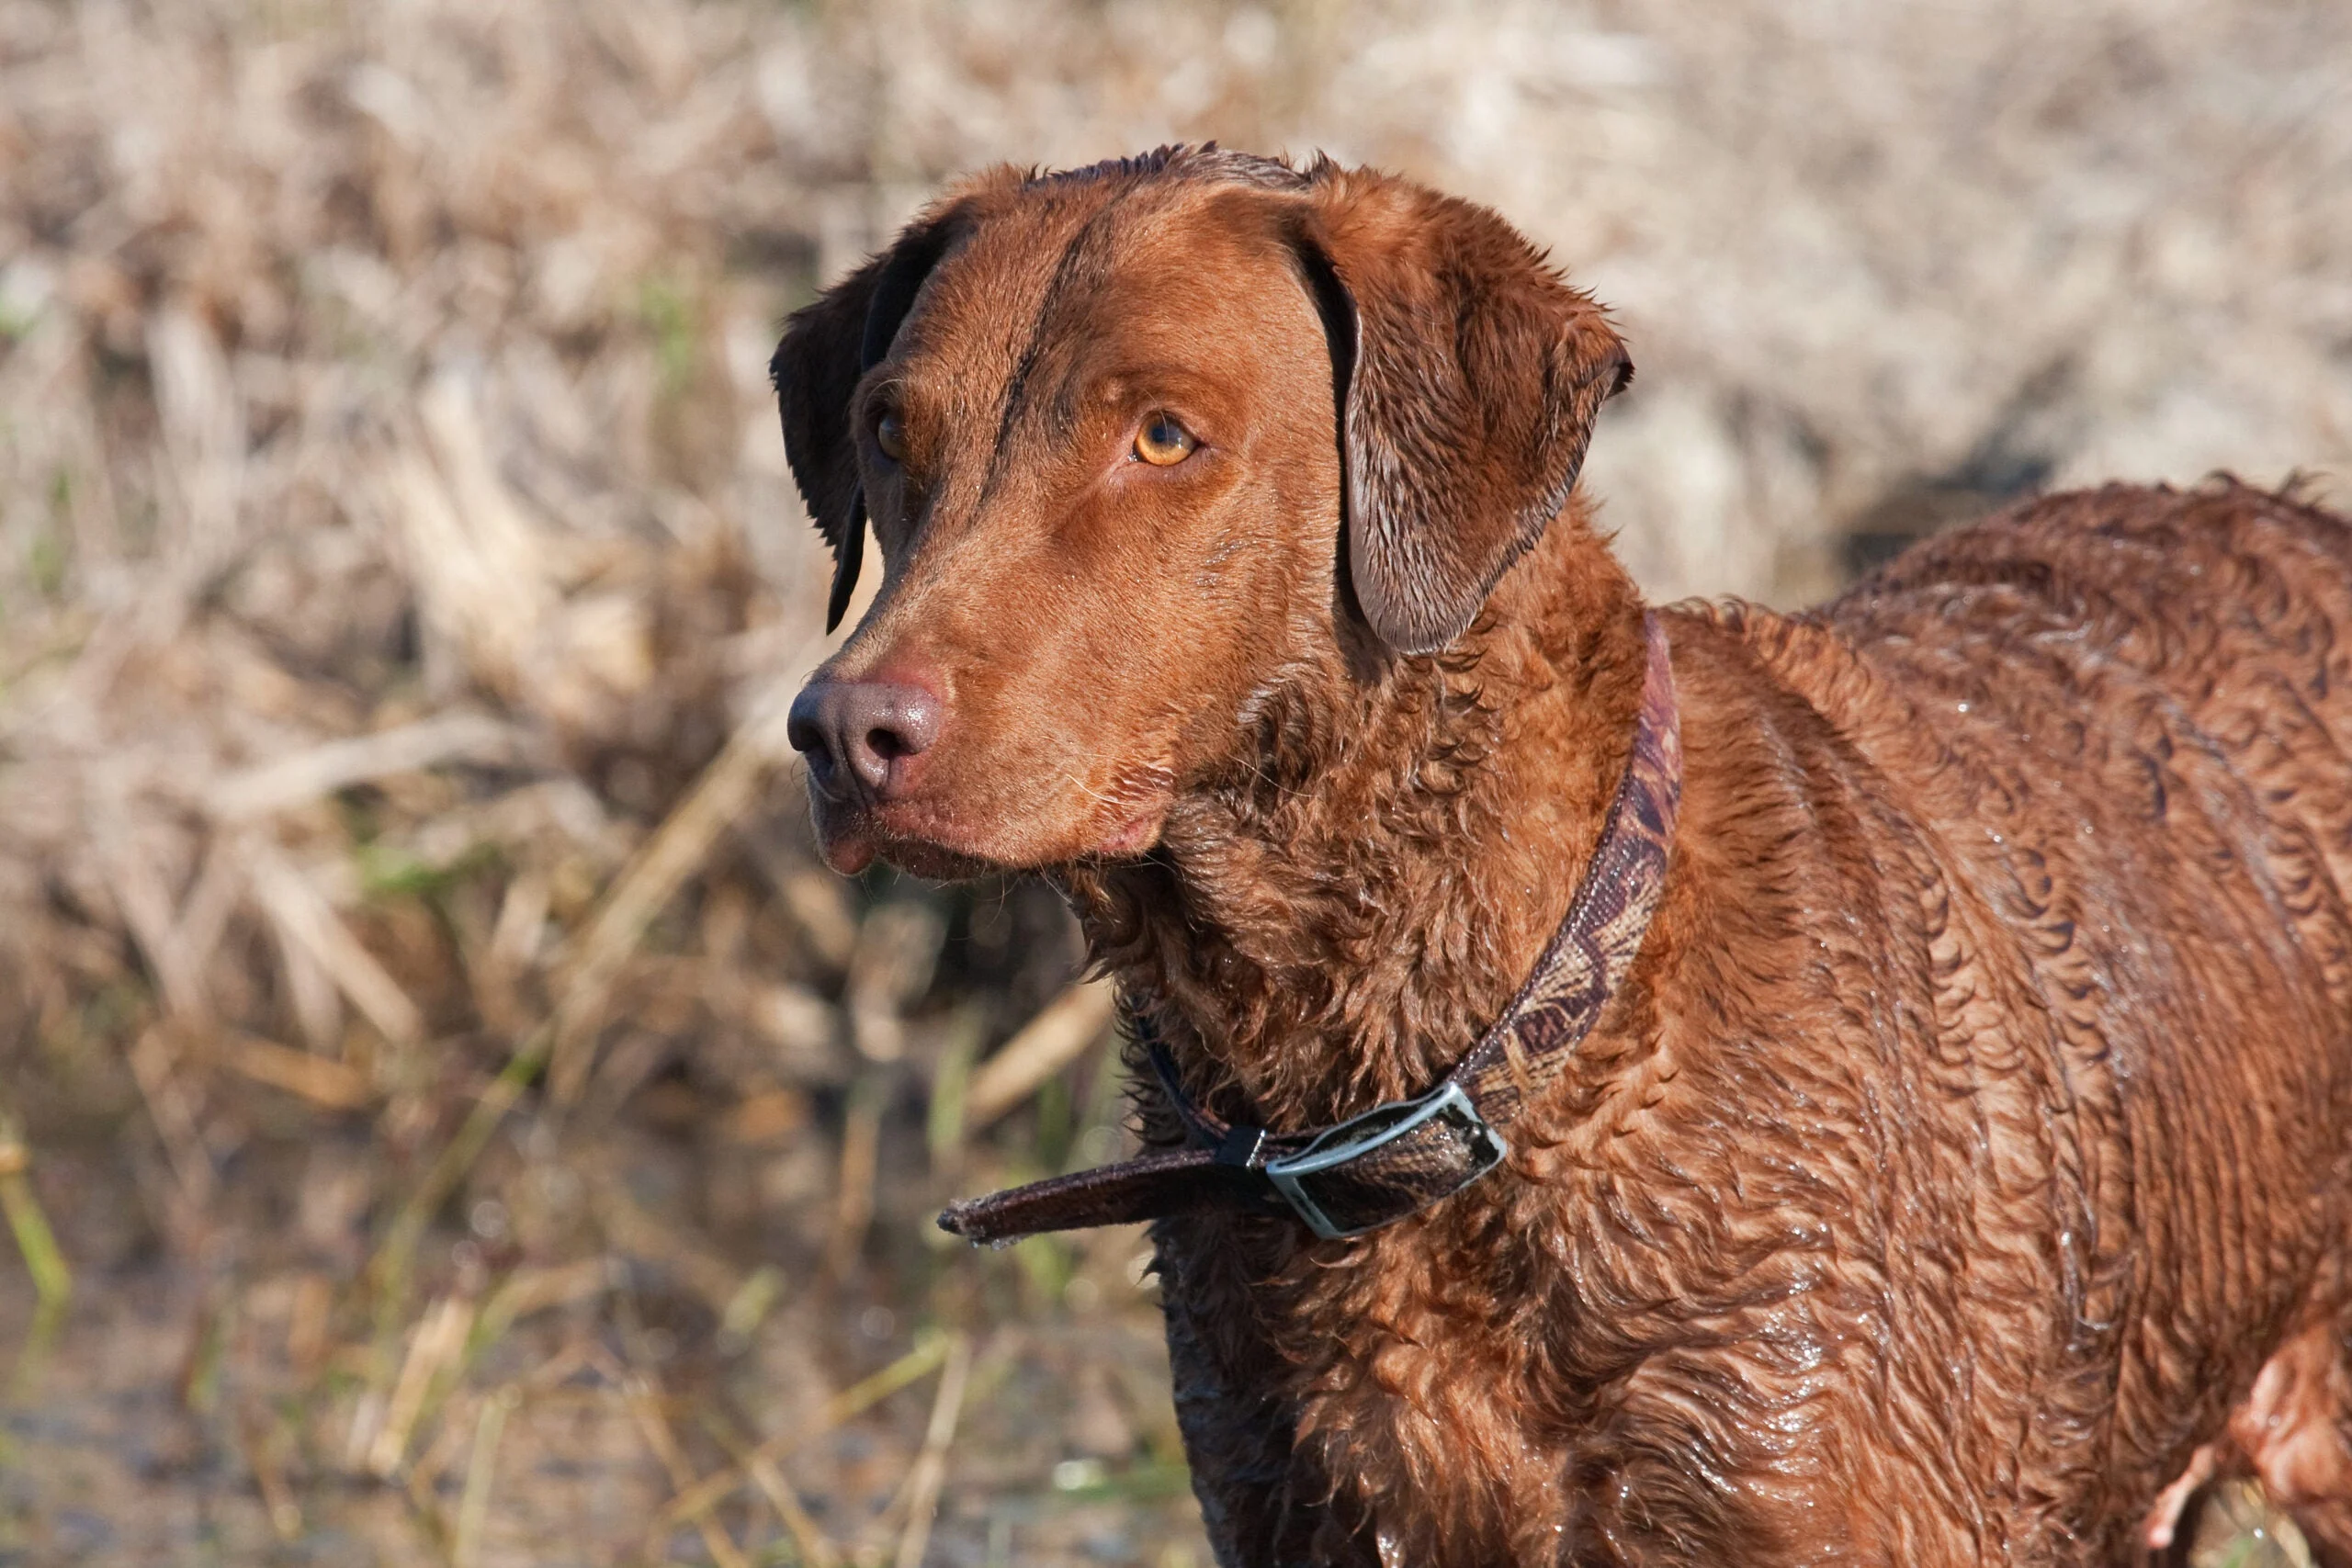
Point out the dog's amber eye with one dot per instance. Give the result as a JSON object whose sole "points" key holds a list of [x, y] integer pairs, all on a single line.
{"points": [[890, 435], [1162, 441]]}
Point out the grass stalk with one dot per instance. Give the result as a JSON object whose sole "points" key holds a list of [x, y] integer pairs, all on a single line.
{"points": [[53, 1278], [931, 1464], [481, 1468], [397, 1256]]}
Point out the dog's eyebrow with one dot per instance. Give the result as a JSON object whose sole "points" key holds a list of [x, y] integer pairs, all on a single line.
{"points": [[1083, 255]]}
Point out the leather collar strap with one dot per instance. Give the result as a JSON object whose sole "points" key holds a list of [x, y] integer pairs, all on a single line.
{"points": [[1400, 1157]]}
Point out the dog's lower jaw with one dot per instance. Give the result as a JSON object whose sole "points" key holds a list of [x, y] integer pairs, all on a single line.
{"points": [[920, 837], [853, 836]]}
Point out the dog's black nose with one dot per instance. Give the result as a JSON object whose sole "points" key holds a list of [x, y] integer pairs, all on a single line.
{"points": [[856, 734]]}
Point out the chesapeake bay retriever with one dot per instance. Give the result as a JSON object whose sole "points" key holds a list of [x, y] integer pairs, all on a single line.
{"points": [[1959, 1170]]}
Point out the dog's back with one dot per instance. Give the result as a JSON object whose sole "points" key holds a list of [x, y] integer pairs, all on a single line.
{"points": [[2119, 725]]}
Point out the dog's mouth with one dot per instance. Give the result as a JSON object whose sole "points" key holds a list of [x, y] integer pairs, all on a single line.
{"points": [[854, 833], [927, 839]]}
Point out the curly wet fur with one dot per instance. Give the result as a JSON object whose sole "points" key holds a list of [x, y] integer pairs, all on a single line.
{"points": [[1968, 1151], [1973, 1134]]}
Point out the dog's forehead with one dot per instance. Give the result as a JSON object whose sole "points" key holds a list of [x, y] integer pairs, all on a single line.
{"points": [[977, 310], [1042, 258]]}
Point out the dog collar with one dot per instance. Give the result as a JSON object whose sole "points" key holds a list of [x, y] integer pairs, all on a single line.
{"points": [[1398, 1158]]}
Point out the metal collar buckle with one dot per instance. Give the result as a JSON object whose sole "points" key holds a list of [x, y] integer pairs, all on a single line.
{"points": [[1448, 1110]]}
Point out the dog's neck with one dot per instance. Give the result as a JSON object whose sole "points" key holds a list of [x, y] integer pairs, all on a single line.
{"points": [[1333, 925]]}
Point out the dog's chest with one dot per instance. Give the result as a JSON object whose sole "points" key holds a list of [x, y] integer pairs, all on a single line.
{"points": [[1533, 1404]]}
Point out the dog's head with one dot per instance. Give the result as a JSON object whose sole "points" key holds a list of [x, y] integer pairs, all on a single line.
{"points": [[1133, 442]]}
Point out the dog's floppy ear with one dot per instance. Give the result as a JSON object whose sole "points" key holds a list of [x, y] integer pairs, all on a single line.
{"points": [[827, 347], [1469, 376]]}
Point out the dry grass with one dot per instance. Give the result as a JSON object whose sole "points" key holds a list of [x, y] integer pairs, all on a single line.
{"points": [[448, 1111]]}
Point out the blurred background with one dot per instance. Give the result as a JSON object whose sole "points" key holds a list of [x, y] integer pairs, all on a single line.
{"points": [[447, 1114]]}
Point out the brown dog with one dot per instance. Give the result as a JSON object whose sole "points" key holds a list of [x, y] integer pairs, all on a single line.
{"points": [[1968, 1153]]}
